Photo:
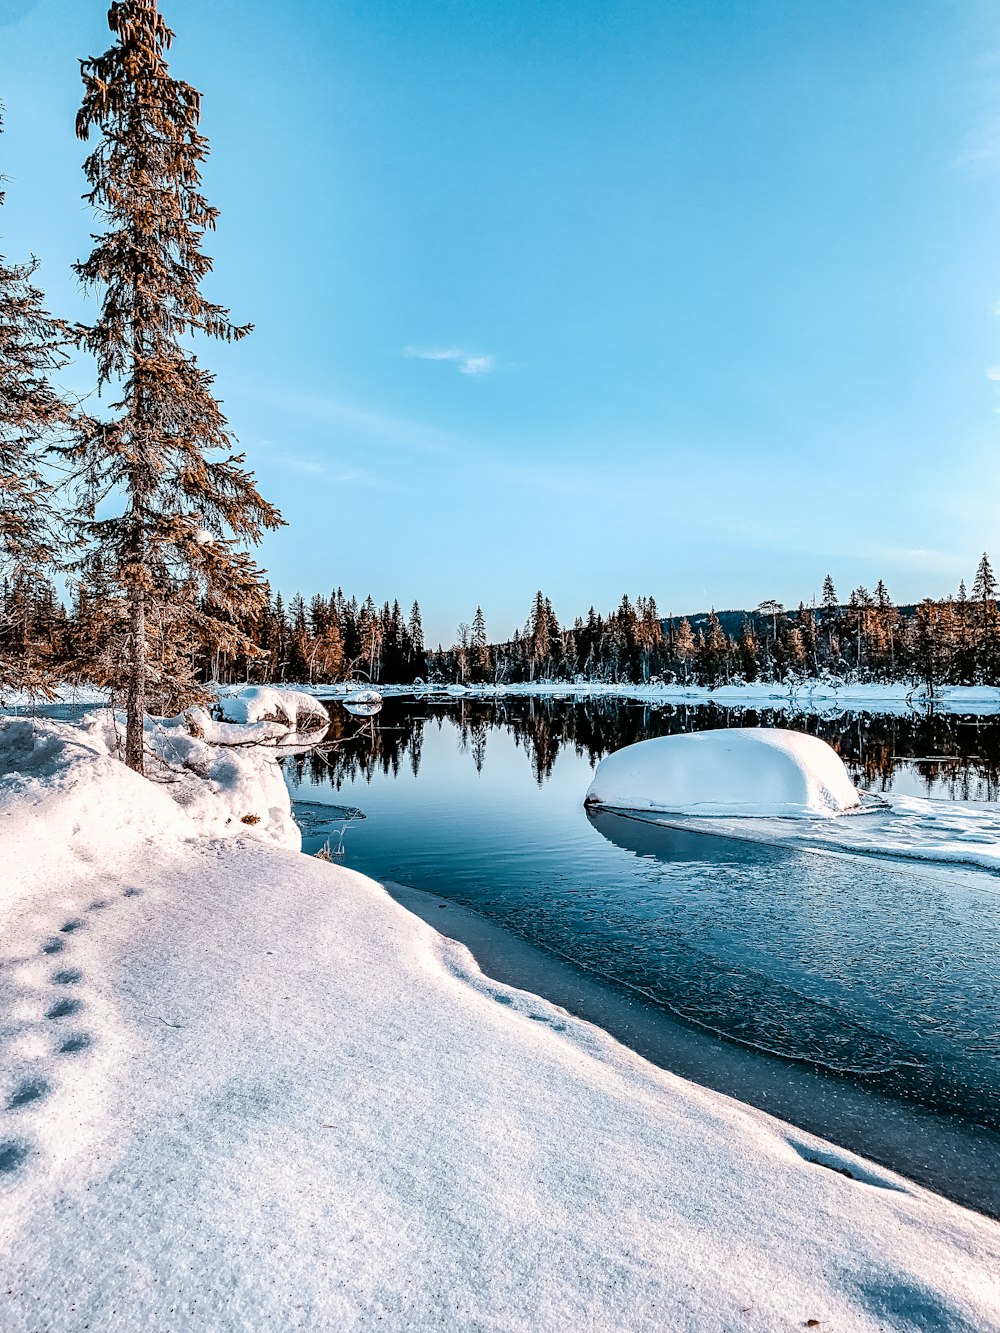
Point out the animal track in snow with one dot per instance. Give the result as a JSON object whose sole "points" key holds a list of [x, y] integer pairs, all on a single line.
{"points": [[34, 1089], [79, 1041], [27, 1092], [12, 1154]]}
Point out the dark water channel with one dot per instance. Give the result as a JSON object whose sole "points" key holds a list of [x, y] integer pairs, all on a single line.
{"points": [[877, 977]]}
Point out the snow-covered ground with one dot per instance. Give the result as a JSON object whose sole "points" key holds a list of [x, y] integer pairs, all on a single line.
{"points": [[292, 710], [790, 789], [244, 1089]]}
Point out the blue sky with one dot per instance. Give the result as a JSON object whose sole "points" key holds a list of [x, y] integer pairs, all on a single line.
{"points": [[695, 298]]}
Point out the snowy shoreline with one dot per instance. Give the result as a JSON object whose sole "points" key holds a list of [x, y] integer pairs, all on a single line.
{"points": [[951, 1157], [810, 697], [243, 1087], [807, 696]]}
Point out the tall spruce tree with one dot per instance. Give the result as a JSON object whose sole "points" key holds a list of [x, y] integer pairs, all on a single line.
{"points": [[984, 594], [176, 551], [32, 412], [480, 647]]}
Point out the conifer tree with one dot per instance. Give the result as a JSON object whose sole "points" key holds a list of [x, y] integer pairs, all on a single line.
{"points": [[748, 651], [984, 594], [480, 647], [965, 656], [32, 347], [538, 633], [714, 650], [830, 608], [188, 505], [415, 639], [685, 647]]}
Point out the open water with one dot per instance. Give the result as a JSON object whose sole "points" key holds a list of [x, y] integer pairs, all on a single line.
{"points": [[881, 973]]}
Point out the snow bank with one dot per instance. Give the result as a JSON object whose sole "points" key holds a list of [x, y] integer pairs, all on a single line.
{"points": [[731, 771], [293, 709], [242, 1088], [363, 703], [68, 804]]}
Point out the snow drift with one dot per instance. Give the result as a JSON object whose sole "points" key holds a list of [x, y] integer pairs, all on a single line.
{"points": [[731, 771], [69, 805]]}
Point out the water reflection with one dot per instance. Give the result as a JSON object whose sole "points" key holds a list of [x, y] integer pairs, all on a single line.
{"points": [[943, 756], [662, 843]]}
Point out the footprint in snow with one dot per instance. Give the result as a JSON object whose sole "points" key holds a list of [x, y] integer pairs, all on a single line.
{"points": [[63, 1008], [72, 1045], [67, 976], [53, 946], [553, 1023], [27, 1092], [73, 924], [12, 1154]]}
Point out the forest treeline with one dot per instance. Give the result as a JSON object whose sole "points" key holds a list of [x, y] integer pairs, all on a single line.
{"points": [[955, 641]]}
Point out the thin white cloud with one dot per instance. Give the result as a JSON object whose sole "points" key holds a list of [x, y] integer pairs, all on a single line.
{"points": [[315, 467], [993, 373], [469, 363]]}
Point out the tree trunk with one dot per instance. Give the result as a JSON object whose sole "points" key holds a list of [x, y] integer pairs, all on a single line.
{"points": [[135, 707]]}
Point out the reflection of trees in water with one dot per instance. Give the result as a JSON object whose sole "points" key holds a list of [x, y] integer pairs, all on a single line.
{"points": [[959, 757], [350, 751]]}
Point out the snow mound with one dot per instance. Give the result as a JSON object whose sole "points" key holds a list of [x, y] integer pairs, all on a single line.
{"points": [[731, 771], [363, 697], [292, 709]]}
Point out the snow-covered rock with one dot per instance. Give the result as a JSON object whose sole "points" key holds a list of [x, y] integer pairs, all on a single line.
{"points": [[293, 709], [363, 697], [731, 771]]}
